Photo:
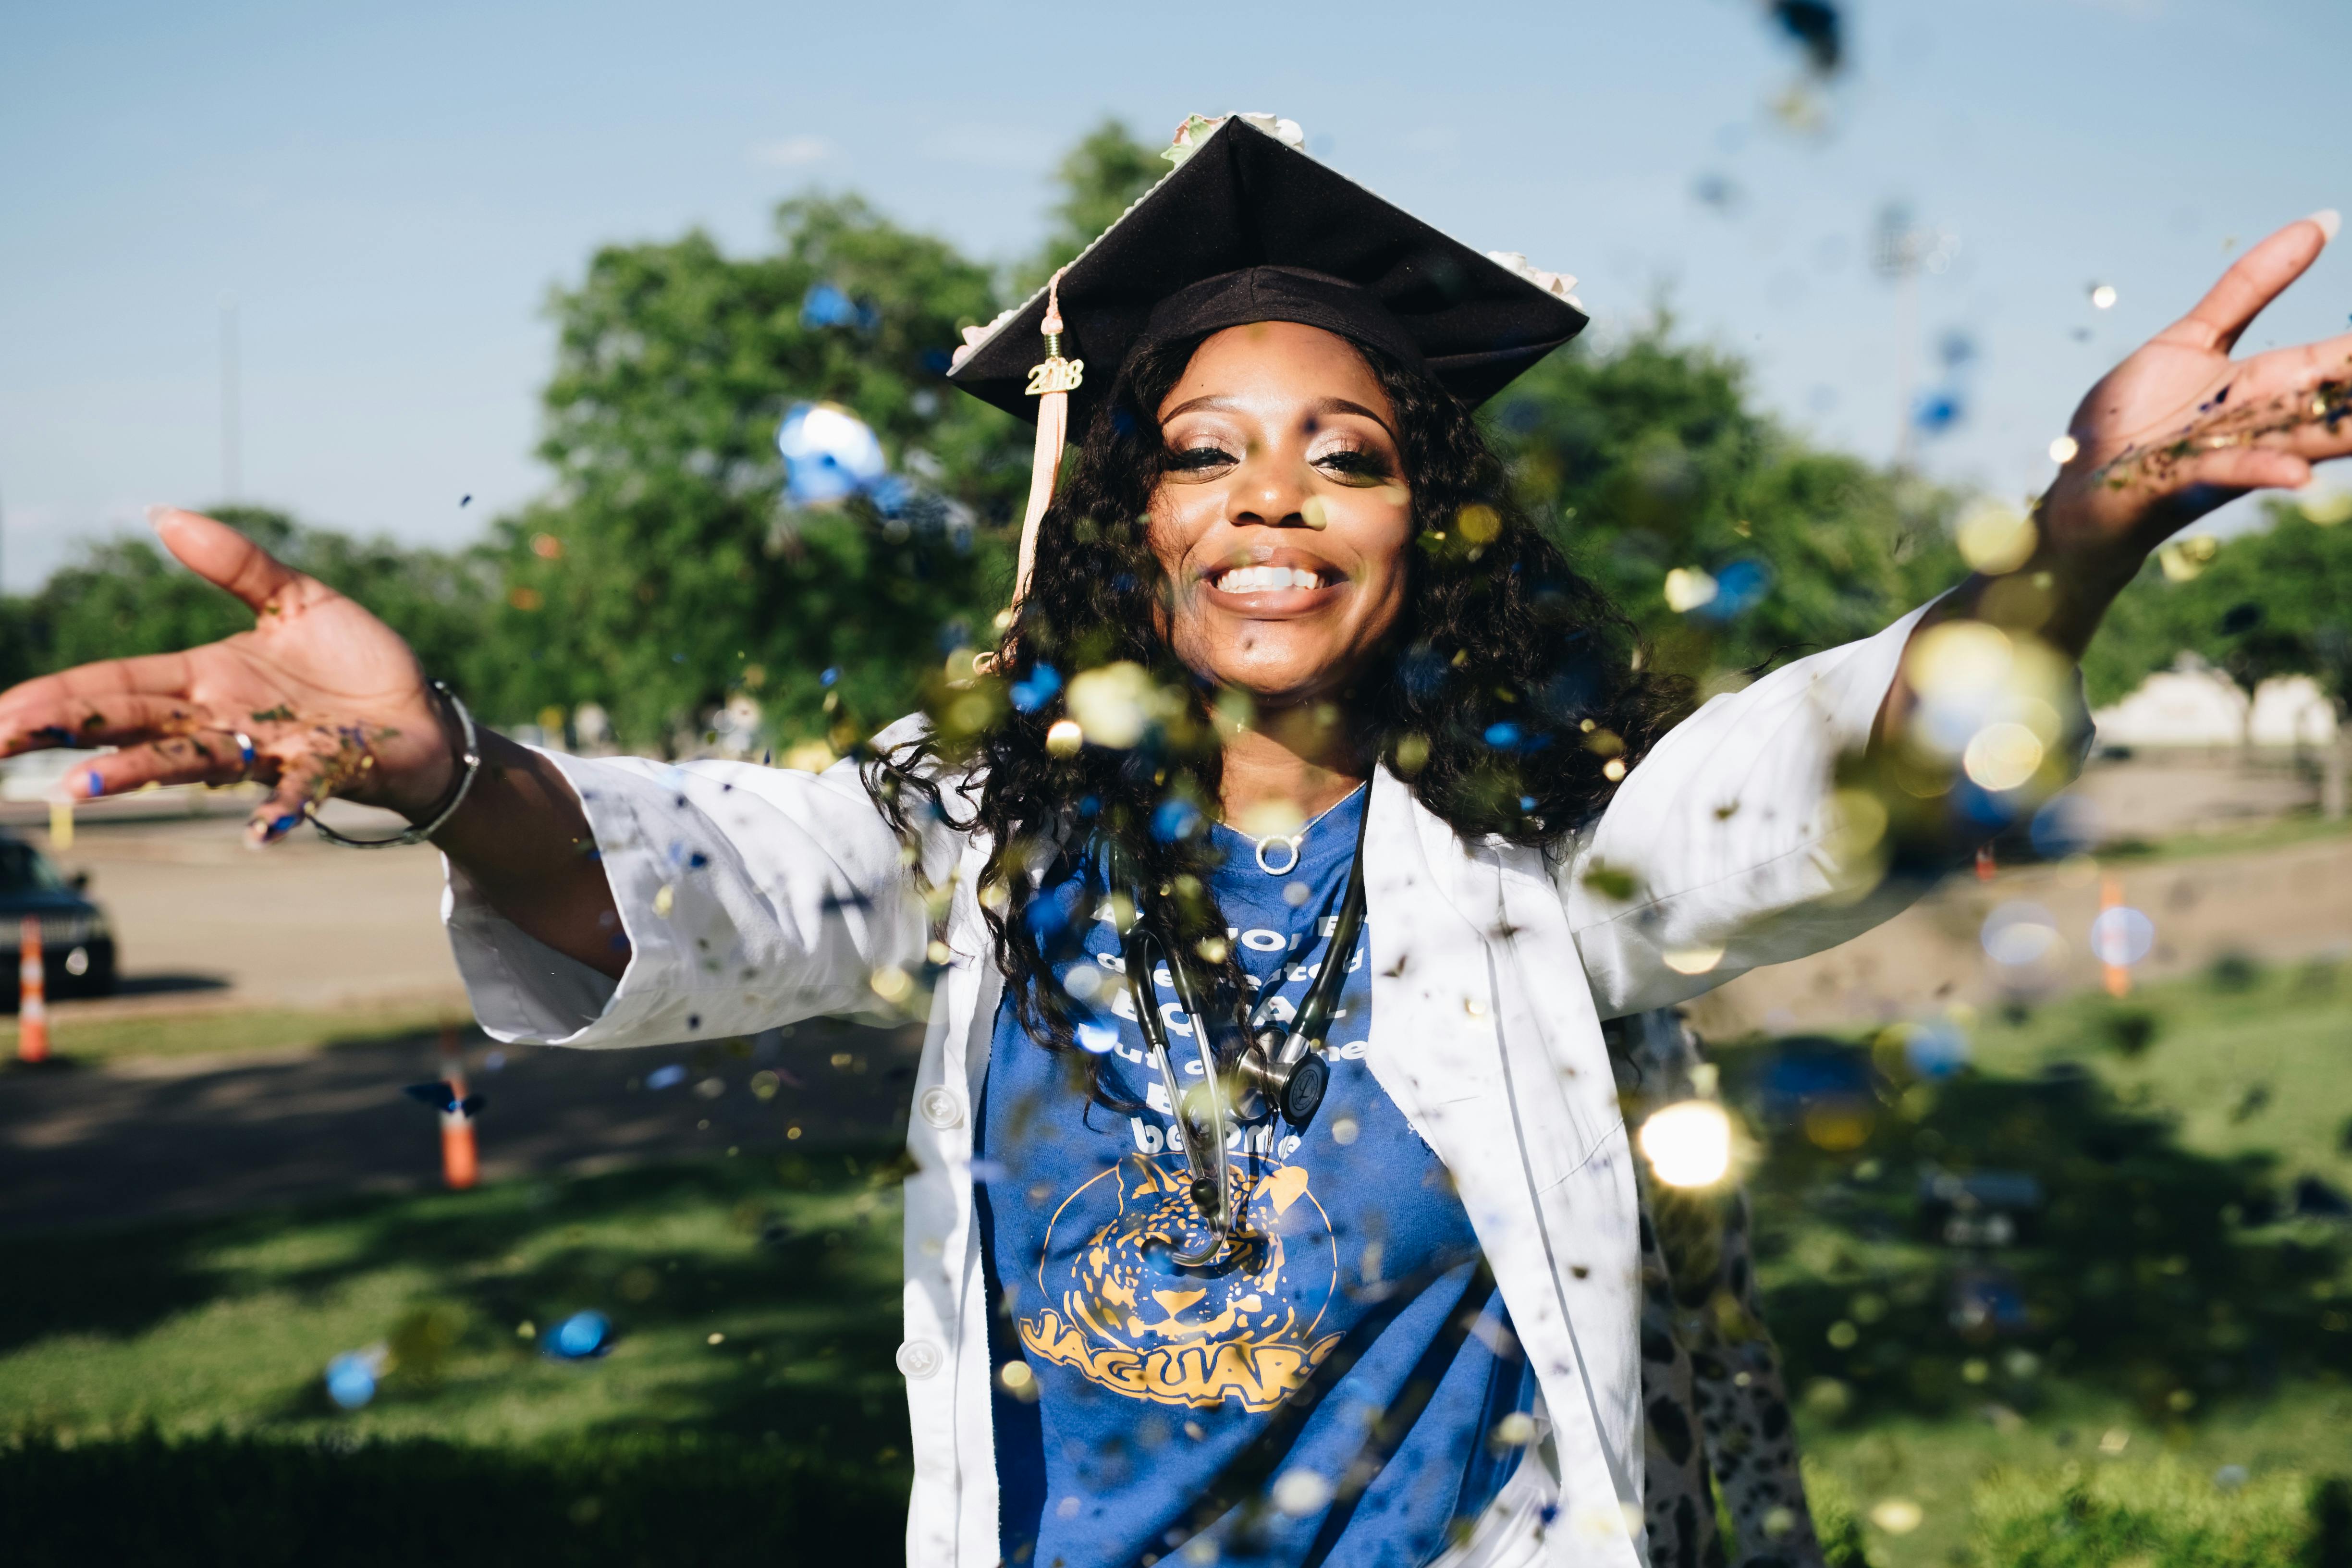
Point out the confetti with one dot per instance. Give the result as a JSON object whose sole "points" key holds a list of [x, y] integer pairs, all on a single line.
{"points": [[352, 1377], [2122, 936], [1688, 1144], [1898, 1516], [582, 1336], [2017, 934]]}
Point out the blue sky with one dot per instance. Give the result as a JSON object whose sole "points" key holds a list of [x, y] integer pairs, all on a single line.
{"points": [[389, 192]]}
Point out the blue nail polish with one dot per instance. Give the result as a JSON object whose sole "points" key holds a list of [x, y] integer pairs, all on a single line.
{"points": [[284, 825], [96, 784]]}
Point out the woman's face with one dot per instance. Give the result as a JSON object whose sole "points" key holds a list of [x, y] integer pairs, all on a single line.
{"points": [[1283, 518]]}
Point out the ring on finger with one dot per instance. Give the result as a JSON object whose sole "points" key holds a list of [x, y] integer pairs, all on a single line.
{"points": [[245, 753]]}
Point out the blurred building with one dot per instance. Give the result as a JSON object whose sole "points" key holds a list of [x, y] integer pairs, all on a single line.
{"points": [[2193, 704]]}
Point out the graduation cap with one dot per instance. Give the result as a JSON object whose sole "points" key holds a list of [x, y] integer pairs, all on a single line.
{"points": [[1248, 228]]}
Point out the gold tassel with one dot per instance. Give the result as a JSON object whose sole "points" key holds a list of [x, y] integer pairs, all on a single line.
{"points": [[1052, 382]]}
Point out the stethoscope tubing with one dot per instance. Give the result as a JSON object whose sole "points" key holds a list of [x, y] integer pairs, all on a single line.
{"points": [[1209, 1168]]}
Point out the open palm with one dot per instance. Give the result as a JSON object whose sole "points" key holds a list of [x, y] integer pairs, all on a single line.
{"points": [[2180, 428], [319, 698]]}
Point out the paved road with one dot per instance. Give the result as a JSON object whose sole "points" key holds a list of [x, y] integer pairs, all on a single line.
{"points": [[302, 924], [141, 1140]]}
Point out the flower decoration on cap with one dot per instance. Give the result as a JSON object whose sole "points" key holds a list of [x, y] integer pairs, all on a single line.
{"points": [[1198, 127], [1558, 285], [975, 336]]}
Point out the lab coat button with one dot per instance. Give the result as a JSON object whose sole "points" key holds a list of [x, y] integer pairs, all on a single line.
{"points": [[942, 1109], [918, 1358]]}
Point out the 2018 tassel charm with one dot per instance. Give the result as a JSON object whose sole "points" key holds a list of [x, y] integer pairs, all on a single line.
{"points": [[1053, 382]]}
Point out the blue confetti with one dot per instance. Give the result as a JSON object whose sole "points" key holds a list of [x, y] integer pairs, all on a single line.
{"points": [[1937, 411], [1034, 693], [1739, 587], [1175, 819], [580, 1337], [350, 1377], [1503, 736], [829, 675], [826, 306], [668, 1076], [1936, 1049], [829, 453]]}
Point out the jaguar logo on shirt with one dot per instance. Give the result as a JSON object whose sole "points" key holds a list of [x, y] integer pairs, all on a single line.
{"points": [[1123, 1315]]}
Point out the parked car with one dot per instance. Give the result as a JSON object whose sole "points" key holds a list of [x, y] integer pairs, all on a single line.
{"points": [[76, 943]]}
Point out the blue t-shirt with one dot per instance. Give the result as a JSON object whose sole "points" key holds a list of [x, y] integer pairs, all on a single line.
{"points": [[1147, 1380]]}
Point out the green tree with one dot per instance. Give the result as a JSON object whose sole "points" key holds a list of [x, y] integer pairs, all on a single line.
{"points": [[126, 597], [664, 572], [1651, 456], [1099, 179]]}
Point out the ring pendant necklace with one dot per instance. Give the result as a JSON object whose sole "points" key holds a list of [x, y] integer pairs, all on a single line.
{"points": [[1294, 842]]}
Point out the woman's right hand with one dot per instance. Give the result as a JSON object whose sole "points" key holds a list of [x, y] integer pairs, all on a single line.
{"points": [[330, 698]]}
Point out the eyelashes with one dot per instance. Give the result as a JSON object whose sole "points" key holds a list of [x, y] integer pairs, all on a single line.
{"points": [[1356, 467], [1190, 459], [1351, 466]]}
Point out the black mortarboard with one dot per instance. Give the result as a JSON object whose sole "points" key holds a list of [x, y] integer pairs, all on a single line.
{"points": [[1250, 229]]}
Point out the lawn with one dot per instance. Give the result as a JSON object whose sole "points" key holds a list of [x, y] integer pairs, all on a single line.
{"points": [[748, 1410], [2173, 1319], [2178, 1288], [233, 1031]]}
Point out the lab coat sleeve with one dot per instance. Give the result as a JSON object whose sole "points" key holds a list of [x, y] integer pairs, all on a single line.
{"points": [[748, 896], [1720, 841]]}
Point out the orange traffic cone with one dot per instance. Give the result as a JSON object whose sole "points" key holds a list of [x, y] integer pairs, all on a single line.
{"points": [[32, 994], [2117, 976], [460, 1164]]}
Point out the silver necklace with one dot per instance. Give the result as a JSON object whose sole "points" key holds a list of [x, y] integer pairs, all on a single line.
{"points": [[1294, 841]]}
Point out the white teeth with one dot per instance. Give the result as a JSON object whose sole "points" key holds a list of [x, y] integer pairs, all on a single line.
{"points": [[1265, 579]]}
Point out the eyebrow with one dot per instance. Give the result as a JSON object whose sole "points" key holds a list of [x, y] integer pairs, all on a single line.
{"points": [[1321, 405]]}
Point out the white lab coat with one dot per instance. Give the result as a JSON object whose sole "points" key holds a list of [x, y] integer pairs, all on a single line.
{"points": [[755, 895]]}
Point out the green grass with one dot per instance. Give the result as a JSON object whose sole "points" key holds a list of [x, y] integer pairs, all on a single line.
{"points": [[234, 1030], [2249, 1061], [2180, 1316], [227, 1325], [2177, 1306], [2293, 828]]}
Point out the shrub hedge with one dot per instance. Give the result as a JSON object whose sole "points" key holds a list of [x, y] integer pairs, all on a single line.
{"points": [[613, 1503], [2160, 1516]]}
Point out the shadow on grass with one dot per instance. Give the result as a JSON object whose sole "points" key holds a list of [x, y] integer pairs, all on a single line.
{"points": [[806, 1271], [622, 1503], [1929, 1247]]}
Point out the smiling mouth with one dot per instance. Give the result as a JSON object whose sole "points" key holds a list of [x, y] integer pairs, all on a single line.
{"points": [[1269, 579]]}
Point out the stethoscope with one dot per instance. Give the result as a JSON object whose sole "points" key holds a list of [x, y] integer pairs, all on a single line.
{"points": [[1286, 1066]]}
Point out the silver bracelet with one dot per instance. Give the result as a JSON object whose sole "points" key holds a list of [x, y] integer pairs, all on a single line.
{"points": [[469, 763]]}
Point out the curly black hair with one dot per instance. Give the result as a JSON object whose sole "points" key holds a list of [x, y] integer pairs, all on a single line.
{"points": [[1511, 696]]}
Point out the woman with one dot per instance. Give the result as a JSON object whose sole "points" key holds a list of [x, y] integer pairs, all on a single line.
{"points": [[1303, 762]]}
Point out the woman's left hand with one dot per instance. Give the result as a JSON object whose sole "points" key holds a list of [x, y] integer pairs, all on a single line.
{"points": [[2180, 428]]}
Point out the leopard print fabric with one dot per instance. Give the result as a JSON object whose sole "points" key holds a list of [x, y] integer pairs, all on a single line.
{"points": [[1712, 1389]]}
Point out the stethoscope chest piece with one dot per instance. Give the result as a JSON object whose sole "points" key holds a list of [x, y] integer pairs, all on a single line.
{"points": [[1303, 1095]]}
